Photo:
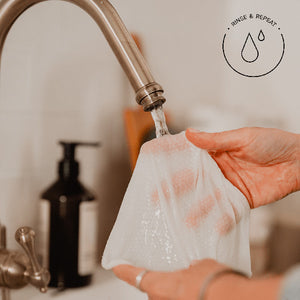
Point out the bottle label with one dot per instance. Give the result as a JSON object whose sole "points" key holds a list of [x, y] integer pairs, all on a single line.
{"points": [[87, 248], [44, 232]]}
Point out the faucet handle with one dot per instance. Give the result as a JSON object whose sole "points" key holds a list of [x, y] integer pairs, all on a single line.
{"points": [[38, 276]]}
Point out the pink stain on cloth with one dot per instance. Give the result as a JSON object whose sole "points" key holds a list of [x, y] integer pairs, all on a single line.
{"points": [[179, 207]]}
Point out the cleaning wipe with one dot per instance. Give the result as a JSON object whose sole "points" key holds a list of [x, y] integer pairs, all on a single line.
{"points": [[179, 207]]}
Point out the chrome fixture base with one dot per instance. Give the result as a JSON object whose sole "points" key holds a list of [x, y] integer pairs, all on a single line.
{"points": [[18, 269]]}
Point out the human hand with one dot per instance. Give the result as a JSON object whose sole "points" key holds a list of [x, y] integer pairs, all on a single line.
{"points": [[182, 284], [263, 163], [212, 198], [177, 208], [186, 284]]}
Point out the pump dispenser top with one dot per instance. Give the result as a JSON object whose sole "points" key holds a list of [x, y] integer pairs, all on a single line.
{"points": [[68, 167]]}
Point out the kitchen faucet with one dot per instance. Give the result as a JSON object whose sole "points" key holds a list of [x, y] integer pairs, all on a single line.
{"points": [[149, 94]]}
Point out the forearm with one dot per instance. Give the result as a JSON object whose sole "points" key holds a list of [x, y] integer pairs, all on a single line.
{"points": [[234, 287], [297, 162]]}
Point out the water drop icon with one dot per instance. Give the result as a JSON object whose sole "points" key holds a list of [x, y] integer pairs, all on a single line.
{"points": [[261, 36], [249, 51]]}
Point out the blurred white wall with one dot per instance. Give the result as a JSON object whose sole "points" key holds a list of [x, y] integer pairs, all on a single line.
{"points": [[60, 80]]}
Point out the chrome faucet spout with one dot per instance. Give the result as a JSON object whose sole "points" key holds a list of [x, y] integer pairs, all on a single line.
{"points": [[148, 92]]}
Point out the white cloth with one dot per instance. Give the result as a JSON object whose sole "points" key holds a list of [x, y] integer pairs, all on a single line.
{"points": [[179, 207]]}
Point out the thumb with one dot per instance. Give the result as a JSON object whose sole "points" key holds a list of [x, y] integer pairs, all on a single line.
{"points": [[218, 141], [127, 273], [195, 262]]}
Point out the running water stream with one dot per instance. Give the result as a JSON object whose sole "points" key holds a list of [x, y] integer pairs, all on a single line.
{"points": [[159, 121]]}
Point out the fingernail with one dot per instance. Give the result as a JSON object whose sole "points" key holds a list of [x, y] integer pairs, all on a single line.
{"points": [[192, 130], [194, 262]]}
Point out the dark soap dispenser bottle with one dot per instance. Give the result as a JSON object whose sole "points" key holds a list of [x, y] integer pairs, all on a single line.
{"points": [[68, 225]]}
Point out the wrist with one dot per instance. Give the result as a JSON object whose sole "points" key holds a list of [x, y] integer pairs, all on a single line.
{"points": [[235, 287], [229, 286], [267, 288], [297, 162]]}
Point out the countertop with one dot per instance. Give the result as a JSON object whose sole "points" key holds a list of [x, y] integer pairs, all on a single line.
{"points": [[105, 286]]}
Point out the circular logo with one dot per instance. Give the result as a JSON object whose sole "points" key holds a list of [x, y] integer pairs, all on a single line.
{"points": [[253, 45]]}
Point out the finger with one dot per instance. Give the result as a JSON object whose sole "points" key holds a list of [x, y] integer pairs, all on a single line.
{"points": [[166, 144], [218, 141], [236, 212], [182, 182], [201, 210], [225, 224], [231, 171], [195, 262], [127, 273]]}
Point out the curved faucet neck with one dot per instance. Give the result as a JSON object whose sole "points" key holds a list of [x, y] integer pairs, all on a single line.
{"points": [[148, 92]]}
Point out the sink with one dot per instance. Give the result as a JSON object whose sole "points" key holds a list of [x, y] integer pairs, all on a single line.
{"points": [[105, 286]]}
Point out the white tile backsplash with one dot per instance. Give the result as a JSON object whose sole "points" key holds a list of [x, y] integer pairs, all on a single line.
{"points": [[60, 80]]}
